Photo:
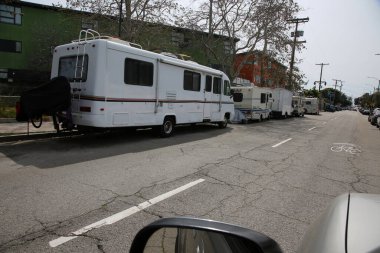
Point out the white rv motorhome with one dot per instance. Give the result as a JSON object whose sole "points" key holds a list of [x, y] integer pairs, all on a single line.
{"points": [[282, 103], [251, 103], [297, 104], [311, 105], [115, 83]]}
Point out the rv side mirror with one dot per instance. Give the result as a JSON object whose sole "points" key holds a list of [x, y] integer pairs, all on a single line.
{"points": [[179, 235]]}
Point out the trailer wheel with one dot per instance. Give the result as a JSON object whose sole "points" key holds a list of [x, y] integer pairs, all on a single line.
{"points": [[36, 121], [223, 124], [167, 127]]}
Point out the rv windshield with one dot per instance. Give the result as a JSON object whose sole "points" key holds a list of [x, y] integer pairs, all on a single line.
{"points": [[68, 65]]}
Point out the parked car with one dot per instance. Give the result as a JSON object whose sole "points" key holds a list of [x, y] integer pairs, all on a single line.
{"points": [[378, 122], [372, 117], [365, 111], [329, 108], [350, 224]]}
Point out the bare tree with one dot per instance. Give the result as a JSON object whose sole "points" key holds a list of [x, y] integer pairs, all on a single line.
{"points": [[136, 14], [247, 25]]}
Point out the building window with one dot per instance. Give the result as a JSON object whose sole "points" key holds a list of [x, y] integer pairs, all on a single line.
{"points": [[191, 81], [10, 46], [257, 79], [227, 47], [217, 88], [208, 83], [10, 14], [3, 74], [68, 65], [178, 38], [89, 24], [138, 72]]}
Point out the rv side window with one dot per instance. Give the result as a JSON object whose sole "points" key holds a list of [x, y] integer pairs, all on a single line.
{"points": [[227, 88], [308, 102], [263, 98], [208, 83], [217, 88], [67, 66], [138, 72], [270, 95], [238, 97], [192, 81]]}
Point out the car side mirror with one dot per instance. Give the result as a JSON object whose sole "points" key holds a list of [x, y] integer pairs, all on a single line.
{"points": [[180, 235]]}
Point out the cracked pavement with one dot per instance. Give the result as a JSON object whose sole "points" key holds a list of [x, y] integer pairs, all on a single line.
{"points": [[52, 187]]}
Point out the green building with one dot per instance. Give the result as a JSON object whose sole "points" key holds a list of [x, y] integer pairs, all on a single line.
{"points": [[29, 32]]}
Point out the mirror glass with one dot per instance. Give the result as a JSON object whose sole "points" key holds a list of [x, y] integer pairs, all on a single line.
{"points": [[184, 240]]}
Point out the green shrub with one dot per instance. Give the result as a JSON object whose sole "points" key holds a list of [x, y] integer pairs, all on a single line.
{"points": [[7, 112]]}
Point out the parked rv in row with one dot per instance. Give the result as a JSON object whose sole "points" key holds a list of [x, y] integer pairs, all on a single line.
{"points": [[282, 103], [104, 82], [259, 103], [298, 106], [311, 105], [115, 83], [252, 103]]}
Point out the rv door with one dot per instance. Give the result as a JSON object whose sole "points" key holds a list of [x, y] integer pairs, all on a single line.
{"points": [[207, 98]]}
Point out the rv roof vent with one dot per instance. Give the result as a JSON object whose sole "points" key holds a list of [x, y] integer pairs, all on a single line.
{"points": [[169, 54], [117, 40]]}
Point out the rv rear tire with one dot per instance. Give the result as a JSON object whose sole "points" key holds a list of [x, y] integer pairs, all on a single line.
{"points": [[167, 127], [223, 124]]}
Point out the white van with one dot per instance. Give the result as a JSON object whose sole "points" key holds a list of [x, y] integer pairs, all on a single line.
{"points": [[282, 103], [115, 83]]}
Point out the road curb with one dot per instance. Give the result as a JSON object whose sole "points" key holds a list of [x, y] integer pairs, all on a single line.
{"points": [[35, 136]]}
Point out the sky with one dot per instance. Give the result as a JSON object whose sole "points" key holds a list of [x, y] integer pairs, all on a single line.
{"points": [[343, 33]]}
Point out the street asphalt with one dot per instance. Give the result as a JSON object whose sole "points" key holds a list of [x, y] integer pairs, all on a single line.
{"points": [[274, 177]]}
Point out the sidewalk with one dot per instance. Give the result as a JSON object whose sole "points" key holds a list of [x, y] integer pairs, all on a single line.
{"points": [[10, 127]]}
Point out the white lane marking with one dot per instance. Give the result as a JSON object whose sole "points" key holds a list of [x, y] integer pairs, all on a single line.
{"points": [[312, 128], [123, 214], [278, 144]]}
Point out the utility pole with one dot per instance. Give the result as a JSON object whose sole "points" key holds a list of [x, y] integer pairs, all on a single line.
{"points": [[336, 83], [120, 16], [296, 34], [320, 76], [341, 85]]}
